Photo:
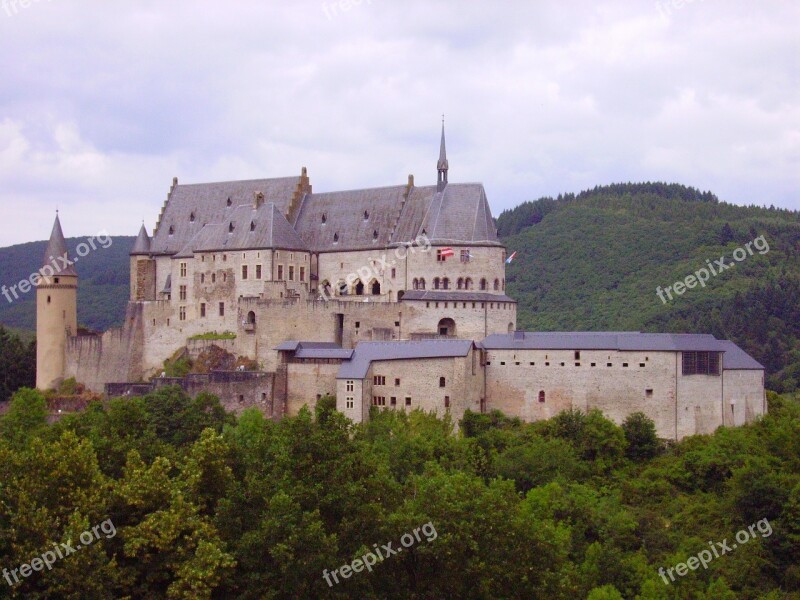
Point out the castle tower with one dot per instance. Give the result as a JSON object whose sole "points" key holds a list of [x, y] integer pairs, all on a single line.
{"points": [[143, 268], [56, 310], [442, 165]]}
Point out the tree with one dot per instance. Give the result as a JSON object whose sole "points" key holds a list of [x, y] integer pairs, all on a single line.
{"points": [[640, 432]]}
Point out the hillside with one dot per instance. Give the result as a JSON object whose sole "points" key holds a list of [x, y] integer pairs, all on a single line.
{"points": [[103, 275], [593, 261]]}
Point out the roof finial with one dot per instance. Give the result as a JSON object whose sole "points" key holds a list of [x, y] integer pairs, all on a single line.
{"points": [[442, 166]]}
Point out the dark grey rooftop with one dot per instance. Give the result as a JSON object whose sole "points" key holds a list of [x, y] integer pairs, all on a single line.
{"points": [[192, 206], [588, 340], [315, 349], [455, 296], [737, 359], [57, 246], [245, 227], [142, 243], [367, 352]]}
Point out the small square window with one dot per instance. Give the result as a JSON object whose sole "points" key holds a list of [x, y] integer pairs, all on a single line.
{"points": [[593, 365], [608, 364], [547, 364], [358, 324], [562, 364], [641, 365], [533, 364], [648, 393], [577, 364], [397, 323], [502, 362]]}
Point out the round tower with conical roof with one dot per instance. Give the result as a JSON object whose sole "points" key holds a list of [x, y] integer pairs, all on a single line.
{"points": [[56, 310]]}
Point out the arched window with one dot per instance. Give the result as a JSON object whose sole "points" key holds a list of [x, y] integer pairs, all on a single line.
{"points": [[442, 382], [541, 395], [460, 283], [468, 283], [483, 283], [436, 283], [447, 327], [496, 284], [375, 288], [360, 288], [341, 288], [445, 284], [251, 318], [415, 283], [422, 283]]}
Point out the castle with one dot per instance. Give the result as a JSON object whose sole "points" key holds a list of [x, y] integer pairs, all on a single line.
{"points": [[391, 297]]}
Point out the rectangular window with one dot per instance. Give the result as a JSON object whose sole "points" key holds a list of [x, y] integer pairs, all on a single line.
{"points": [[182, 313], [244, 271], [221, 309], [465, 256], [202, 309], [408, 400], [258, 271], [183, 269], [280, 272], [701, 363], [577, 354], [349, 402], [379, 400], [291, 272], [447, 401], [394, 272], [302, 273], [393, 400], [396, 381], [379, 380], [182, 292], [349, 385], [439, 257], [648, 393]]}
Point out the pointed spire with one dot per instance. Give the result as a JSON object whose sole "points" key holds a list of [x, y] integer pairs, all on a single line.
{"points": [[142, 244], [57, 247], [442, 166]]}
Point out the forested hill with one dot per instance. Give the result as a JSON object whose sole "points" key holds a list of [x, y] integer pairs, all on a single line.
{"points": [[593, 261], [103, 284]]}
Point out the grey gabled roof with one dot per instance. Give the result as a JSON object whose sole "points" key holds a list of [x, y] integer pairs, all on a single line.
{"points": [[737, 359], [367, 352], [245, 227], [192, 206], [344, 227], [458, 215], [589, 340], [142, 243], [455, 296], [56, 247]]}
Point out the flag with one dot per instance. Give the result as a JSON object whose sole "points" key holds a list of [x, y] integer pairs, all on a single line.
{"points": [[445, 252], [510, 258]]}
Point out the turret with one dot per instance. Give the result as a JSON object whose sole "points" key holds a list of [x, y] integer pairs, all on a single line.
{"points": [[143, 268], [56, 310]]}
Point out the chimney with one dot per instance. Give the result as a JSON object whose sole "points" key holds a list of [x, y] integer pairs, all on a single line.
{"points": [[258, 199]]}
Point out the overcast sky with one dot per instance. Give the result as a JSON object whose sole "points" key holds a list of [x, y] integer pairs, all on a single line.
{"points": [[103, 102]]}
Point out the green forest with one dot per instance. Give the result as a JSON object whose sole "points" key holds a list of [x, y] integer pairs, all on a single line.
{"points": [[187, 501]]}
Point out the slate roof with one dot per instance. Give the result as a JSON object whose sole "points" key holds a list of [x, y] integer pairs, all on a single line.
{"points": [[208, 203], [459, 214], [57, 246], [142, 243], [455, 296], [244, 227], [589, 340], [367, 352], [737, 359], [315, 349]]}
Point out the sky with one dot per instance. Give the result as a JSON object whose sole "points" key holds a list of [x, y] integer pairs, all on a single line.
{"points": [[102, 103]]}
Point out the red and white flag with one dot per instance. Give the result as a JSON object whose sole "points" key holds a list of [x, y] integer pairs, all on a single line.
{"points": [[445, 252]]}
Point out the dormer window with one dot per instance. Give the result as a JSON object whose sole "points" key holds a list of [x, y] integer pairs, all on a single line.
{"points": [[335, 238], [229, 201], [191, 218], [252, 226], [424, 232], [366, 215], [324, 218], [171, 230], [375, 235], [230, 227]]}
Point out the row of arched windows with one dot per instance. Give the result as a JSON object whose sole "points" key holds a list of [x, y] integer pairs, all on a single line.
{"points": [[461, 283]]}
